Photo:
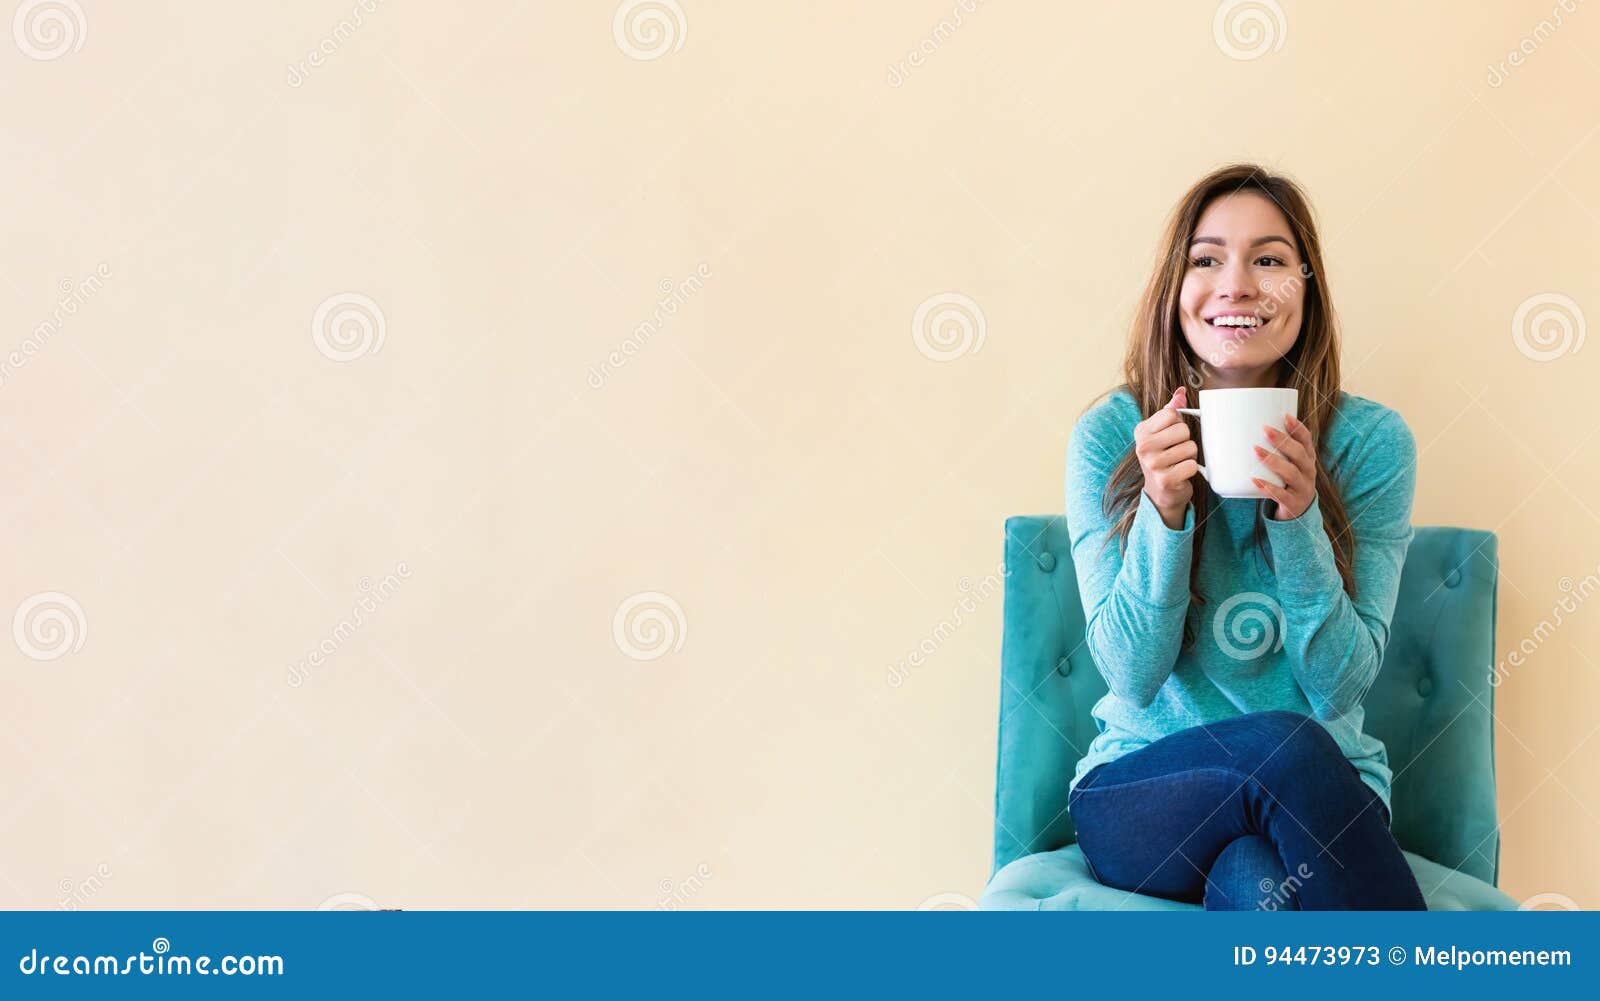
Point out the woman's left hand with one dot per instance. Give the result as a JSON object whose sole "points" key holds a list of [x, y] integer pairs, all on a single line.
{"points": [[1295, 461]]}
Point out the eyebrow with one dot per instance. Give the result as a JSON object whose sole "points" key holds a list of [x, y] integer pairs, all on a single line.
{"points": [[1258, 241]]}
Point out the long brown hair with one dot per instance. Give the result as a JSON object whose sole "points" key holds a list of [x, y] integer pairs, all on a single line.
{"points": [[1159, 360]]}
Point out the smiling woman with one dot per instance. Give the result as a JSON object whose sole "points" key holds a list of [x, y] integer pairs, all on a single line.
{"points": [[1241, 243], [1222, 766], [1243, 292]]}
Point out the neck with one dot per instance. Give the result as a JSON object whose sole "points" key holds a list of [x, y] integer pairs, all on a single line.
{"points": [[1265, 377]]}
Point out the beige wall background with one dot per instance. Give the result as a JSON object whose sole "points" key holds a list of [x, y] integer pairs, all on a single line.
{"points": [[479, 455]]}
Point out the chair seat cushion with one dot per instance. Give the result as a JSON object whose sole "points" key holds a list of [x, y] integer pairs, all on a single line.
{"points": [[1060, 881]]}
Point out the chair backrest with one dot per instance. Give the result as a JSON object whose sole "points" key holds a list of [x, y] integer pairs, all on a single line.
{"points": [[1432, 703]]}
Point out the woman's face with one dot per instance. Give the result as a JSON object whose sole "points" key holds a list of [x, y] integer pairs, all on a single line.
{"points": [[1243, 291]]}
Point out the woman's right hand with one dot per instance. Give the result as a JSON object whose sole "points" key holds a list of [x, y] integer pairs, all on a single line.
{"points": [[1167, 455]]}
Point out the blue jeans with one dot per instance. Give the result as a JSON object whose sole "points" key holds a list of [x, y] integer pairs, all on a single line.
{"points": [[1259, 811]]}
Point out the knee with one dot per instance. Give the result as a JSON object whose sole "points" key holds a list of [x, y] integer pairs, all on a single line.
{"points": [[1295, 736], [1247, 875], [1292, 746]]}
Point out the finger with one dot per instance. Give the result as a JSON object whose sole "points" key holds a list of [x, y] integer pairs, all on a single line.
{"points": [[1297, 429], [1289, 452], [1177, 453], [1288, 446], [1158, 441], [1277, 493], [1163, 418], [1185, 470], [1168, 412], [1286, 470]]}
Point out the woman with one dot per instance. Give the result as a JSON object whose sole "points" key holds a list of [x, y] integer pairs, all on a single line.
{"points": [[1233, 773]]}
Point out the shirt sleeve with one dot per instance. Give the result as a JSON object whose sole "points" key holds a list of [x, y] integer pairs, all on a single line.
{"points": [[1135, 602], [1335, 644]]}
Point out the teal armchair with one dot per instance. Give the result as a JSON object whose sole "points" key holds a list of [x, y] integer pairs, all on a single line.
{"points": [[1432, 705]]}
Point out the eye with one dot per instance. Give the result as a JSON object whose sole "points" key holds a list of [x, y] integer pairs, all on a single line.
{"points": [[1198, 261], [1274, 262]]}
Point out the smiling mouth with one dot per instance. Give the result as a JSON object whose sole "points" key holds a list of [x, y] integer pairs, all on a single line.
{"points": [[1238, 327]]}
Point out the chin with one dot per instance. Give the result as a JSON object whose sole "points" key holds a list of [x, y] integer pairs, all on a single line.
{"points": [[1229, 357]]}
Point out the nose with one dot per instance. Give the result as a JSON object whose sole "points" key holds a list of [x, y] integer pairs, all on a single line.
{"points": [[1234, 282]]}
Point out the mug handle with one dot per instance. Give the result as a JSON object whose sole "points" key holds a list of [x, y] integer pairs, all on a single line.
{"points": [[1196, 412]]}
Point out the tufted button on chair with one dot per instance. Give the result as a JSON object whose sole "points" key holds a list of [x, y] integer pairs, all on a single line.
{"points": [[1431, 705]]}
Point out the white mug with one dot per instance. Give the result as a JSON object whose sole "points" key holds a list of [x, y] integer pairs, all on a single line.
{"points": [[1230, 427]]}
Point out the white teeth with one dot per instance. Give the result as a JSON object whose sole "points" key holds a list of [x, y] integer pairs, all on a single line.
{"points": [[1235, 321]]}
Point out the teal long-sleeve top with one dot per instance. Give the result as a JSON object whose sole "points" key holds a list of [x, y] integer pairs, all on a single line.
{"points": [[1288, 637]]}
